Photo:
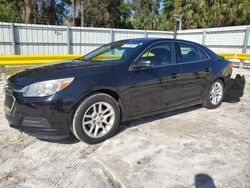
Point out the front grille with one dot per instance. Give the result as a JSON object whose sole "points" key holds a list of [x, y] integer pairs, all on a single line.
{"points": [[9, 101]]}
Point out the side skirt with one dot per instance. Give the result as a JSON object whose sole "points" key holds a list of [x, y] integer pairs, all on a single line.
{"points": [[177, 107]]}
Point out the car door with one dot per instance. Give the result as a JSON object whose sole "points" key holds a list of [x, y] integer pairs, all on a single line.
{"points": [[196, 69], [158, 86]]}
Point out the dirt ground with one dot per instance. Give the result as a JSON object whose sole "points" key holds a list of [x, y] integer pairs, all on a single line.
{"points": [[193, 147]]}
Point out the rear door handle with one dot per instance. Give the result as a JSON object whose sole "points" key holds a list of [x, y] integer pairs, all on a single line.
{"points": [[175, 75], [208, 70]]}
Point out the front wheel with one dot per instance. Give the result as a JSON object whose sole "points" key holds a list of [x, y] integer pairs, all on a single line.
{"points": [[96, 119], [214, 95]]}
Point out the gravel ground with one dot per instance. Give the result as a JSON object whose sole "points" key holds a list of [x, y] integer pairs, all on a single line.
{"points": [[193, 147]]}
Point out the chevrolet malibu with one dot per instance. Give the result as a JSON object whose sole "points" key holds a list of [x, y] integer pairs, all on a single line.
{"points": [[120, 81]]}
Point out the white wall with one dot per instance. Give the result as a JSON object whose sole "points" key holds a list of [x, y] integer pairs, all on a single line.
{"points": [[220, 39], [45, 39]]}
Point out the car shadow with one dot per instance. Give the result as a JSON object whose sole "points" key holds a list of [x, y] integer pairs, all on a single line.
{"points": [[231, 100], [133, 123], [204, 181]]}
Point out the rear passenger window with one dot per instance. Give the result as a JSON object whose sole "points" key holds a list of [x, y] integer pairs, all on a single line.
{"points": [[191, 53]]}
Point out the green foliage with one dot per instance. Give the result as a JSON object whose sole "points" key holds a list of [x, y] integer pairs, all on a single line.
{"points": [[8, 12], [146, 14], [54, 12], [125, 15], [195, 13], [43, 11], [207, 13], [138, 14], [230, 12], [105, 13], [168, 8]]}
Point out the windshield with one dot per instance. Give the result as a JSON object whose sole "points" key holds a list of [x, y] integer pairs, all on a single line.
{"points": [[115, 52]]}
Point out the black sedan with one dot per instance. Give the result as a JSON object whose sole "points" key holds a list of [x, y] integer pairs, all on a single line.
{"points": [[117, 82]]}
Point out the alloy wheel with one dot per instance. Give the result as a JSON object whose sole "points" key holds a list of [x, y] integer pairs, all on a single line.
{"points": [[216, 93], [98, 119]]}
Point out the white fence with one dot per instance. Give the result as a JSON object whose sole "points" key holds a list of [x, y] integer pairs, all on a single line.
{"points": [[44, 39], [221, 39]]}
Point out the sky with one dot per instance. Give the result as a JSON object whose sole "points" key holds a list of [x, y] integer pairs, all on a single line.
{"points": [[161, 5]]}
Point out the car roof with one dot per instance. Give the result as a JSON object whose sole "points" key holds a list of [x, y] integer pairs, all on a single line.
{"points": [[152, 40], [159, 39]]}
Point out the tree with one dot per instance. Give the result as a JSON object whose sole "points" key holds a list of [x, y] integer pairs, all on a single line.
{"points": [[208, 13], [62, 11], [9, 12], [193, 13], [139, 14], [105, 13], [74, 12], [27, 11], [146, 14], [52, 12], [125, 15], [166, 16], [34, 11], [230, 12], [168, 8]]}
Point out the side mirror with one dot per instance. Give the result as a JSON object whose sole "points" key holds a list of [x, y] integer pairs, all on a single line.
{"points": [[143, 63]]}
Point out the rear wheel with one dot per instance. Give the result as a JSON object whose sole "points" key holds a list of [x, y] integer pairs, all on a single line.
{"points": [[96, 119], [214, 95]]}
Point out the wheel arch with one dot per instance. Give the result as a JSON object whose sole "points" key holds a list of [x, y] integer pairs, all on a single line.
{"points": [[113, 94], [213, 80], [205, 102], [109, 92], [222, 79]]}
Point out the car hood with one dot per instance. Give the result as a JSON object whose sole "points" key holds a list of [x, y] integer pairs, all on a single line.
{"points": [[64, 69]]}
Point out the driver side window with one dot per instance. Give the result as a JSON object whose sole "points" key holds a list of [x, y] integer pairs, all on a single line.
{"points": [[159, 55]]}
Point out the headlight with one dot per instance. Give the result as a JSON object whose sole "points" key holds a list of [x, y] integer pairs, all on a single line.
{"points": [[46, 88]]}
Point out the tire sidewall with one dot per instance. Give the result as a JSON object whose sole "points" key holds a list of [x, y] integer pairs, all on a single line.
{"points": [[207, 102], [77, 128]]}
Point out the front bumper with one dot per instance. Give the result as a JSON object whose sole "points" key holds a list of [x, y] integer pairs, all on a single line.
{"points": [[45, 133], [46, 117]]}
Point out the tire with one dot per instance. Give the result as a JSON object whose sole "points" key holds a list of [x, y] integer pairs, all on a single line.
{"points": [[210, 102], [90, 117]]}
